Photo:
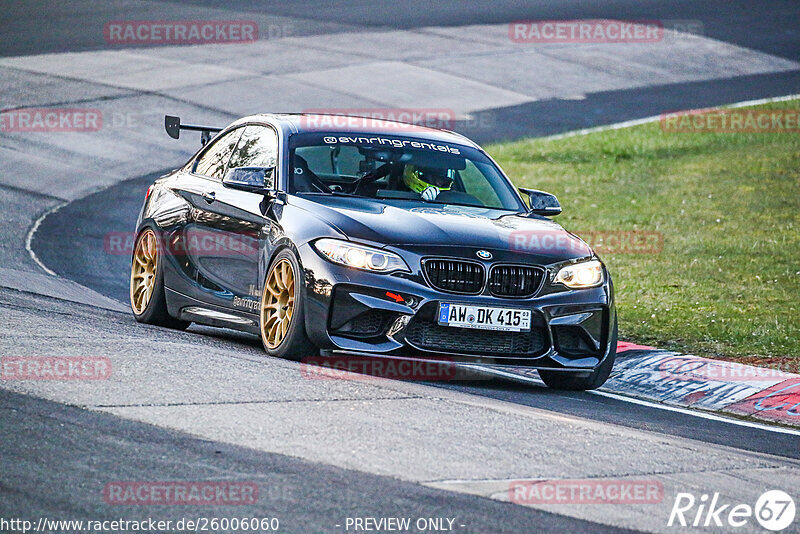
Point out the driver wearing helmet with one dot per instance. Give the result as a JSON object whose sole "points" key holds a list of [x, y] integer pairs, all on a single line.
{"points": [[428, 182]]}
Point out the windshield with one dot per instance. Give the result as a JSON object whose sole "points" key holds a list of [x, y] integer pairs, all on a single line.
{"points": [[382, 167]]}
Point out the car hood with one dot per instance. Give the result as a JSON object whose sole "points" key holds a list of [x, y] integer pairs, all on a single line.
{"points": [[417, 225]]}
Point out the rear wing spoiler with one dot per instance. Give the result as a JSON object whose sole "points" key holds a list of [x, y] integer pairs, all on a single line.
{"points": [[173, 126]]}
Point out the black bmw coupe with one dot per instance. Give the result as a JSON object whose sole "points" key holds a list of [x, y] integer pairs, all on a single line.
{"points": [[385, 239]]}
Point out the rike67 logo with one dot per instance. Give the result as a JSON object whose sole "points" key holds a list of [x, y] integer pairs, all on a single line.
{"points": [[774, 510]]}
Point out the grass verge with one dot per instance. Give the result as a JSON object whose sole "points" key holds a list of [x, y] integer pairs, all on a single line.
{"points": [[726, 282]]}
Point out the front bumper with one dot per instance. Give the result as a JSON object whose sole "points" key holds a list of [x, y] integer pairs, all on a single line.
{"points": [[357, 311]]}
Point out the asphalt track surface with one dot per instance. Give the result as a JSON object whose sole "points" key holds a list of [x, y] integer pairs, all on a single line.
{"points": [[769, 26], [311, 497], [81, 256], [765, 26], [55, 458]]}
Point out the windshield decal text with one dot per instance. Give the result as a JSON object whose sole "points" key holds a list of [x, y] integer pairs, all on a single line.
{"points": [[395, 143]]}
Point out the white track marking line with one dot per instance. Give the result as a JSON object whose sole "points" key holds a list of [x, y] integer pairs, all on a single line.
{"points": [[657, 405], [655, 118], [697, 413], [32, 231]]}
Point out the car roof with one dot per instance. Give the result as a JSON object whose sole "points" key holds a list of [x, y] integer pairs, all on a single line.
{"points": [[292, 123]]}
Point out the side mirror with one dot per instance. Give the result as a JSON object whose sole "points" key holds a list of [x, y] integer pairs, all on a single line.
{"points": [[542, 203], [252, 179]]}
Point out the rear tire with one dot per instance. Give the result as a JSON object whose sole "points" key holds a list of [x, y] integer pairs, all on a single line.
{"points": [[148, 301], [282, 310], [567, 381]]}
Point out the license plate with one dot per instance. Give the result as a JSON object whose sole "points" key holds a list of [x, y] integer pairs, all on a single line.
{"points": [[484, 317]]}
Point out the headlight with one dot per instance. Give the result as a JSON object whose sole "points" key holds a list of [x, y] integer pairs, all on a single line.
{"points": [[581, 275], [360, 256]]}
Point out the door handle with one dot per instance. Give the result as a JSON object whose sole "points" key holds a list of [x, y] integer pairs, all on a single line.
{"points": [[209, 196]]}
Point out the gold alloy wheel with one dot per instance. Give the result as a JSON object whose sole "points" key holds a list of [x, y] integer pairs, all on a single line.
{"points": [[277, 304], [143, 271]]}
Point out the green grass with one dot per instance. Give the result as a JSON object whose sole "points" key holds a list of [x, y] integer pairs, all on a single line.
{"points": [[727, 281]]}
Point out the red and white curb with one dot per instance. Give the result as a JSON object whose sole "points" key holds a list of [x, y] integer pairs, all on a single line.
{"points": [[706, 384]]}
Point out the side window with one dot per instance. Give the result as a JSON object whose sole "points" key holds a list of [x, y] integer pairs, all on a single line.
{"points": [[212, 162], [258, 147], [475, 184]]}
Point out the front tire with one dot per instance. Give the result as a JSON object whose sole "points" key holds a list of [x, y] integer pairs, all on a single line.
{"points": [[566, 381], [148, 301], [282, 311]]}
